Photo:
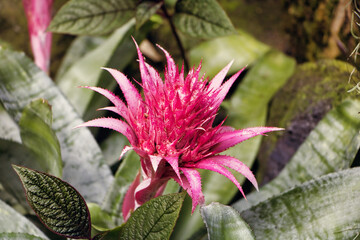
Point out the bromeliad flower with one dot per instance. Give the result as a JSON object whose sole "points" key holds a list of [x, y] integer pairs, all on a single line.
{"points": [[172, 131]]}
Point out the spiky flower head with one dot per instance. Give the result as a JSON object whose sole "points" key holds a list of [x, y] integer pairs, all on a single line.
{"points": [[172, 129]]}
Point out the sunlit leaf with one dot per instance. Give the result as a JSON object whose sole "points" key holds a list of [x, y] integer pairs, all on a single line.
{"points": [[20, 82], [324, 208], [91, 17], [37, 135], [58, 205], [330, 147], [202, 19], [13, 222], [217, 53], [78, 49], [224, 222]]}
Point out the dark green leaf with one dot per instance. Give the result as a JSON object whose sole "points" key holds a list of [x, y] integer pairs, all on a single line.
{"points": [[330, 147], [19, 236], [20, 82], [246, 108], [58, 205], [202, 19], [124, 176], [324, 208], [224, 222], [90, 17], [144, 11], [13, 222], [37, 135], [153, 220]]}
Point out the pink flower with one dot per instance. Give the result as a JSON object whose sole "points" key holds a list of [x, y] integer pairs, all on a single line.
{"points": [[172, 131], [38, 13]]}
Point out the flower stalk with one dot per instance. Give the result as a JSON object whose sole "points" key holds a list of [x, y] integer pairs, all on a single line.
{"points": [[38, 15]]}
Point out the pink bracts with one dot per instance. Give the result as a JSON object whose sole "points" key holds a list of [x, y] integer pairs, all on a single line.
{"points": [[172, 131], [38, 13]]}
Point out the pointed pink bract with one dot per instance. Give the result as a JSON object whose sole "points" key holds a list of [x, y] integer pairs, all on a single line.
{"points": [[114, 124], [171, 129], [228, 139], [132, 96], [194, 179], [219, 78], [211, 165]]}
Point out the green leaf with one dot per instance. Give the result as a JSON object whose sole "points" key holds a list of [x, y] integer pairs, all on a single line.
{"points": [[37, 135], [87, 70], [330, 147], [19, 236], [224, 222], [153, 220], [324, 208], [144, 11], [246, 108], [124, 176], [100, 220], [15, 153], [58, 205], [217, 53], [91, 17], [20, 82], [202, 19], [13, 222], [78, 49]]}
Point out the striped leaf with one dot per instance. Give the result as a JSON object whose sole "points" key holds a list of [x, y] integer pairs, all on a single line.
{"points": [[324, 208], [330, 147], [21, 81], [224, 222]]}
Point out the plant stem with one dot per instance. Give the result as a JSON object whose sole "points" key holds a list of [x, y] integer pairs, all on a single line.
{"points": [[178, 41]]}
